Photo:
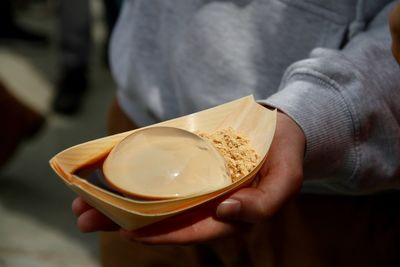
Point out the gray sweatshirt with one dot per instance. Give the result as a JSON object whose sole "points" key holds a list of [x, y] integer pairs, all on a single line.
{"points": [[326, 63]]}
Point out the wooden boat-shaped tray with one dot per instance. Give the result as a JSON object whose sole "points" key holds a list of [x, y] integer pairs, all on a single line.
{"points": [[244, 115]]}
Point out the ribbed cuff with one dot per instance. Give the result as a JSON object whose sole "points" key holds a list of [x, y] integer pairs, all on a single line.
{"points": [[322, 113]]}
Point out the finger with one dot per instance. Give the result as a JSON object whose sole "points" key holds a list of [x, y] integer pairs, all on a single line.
{"points": [[257, 204], [92, 220], [192, 226], [280, 178], [275, 187], [205, 230], [79, 206]]}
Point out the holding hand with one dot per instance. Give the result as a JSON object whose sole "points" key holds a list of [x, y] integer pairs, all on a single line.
{"points": [[279, 179]]}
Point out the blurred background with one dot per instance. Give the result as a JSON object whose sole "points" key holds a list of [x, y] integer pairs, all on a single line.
{"points": [[55, 90]]}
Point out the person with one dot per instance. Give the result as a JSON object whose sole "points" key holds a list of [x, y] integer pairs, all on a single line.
{"points": [[11, 30], [327, 67], [395, 31], [74, 25], [75, 44], [19, 123]]}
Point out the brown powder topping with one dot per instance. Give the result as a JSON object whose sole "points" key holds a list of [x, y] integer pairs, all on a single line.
{"points": [[240, 157]]}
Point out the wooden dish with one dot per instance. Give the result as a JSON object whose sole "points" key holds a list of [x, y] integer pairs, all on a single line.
{"points": [[244, 115]]}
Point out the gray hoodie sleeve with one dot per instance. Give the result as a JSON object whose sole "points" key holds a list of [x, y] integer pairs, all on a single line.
{"points": [[347, 103]]}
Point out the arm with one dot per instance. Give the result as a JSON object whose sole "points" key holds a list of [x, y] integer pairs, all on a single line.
{"points": [[347, 103]]}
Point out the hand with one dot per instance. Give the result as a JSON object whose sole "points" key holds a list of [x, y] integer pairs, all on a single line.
{"points": [[279, 179], [395, 31]]}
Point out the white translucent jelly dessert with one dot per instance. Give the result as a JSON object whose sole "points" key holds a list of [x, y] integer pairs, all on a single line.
{"points": [[165, 162]]}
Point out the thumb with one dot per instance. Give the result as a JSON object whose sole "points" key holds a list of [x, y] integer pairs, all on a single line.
{"points": [[280, 177], [244, 205], [260, 203]]}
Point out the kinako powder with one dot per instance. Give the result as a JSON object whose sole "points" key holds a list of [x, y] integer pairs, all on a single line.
{"points": [[240, 157]]}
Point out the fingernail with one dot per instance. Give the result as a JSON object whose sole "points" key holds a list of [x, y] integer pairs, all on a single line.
{"points": [[229, 208]]}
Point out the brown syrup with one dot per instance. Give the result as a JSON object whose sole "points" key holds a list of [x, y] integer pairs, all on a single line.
{"points": [[93, 173]]}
